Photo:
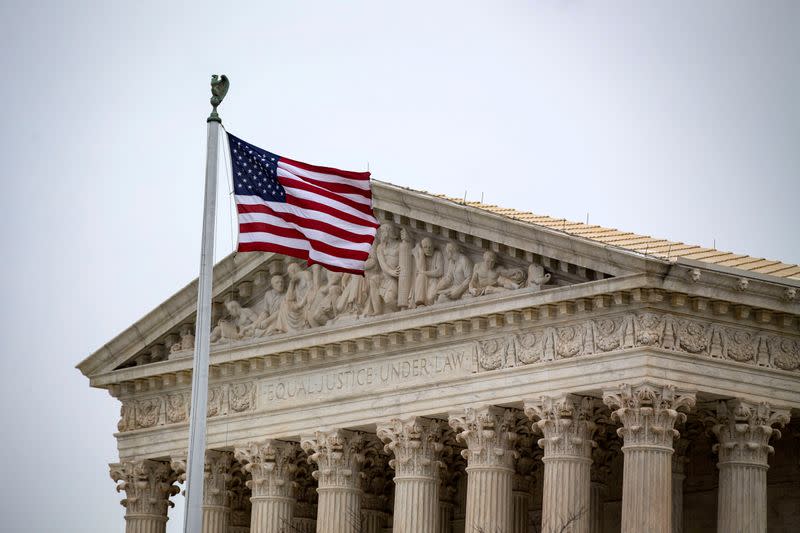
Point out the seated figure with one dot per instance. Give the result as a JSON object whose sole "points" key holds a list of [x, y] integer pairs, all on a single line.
{"points": [[272, 302], [537, 276], [457, 274], [488, 278], [291, 315], [240, 324]]}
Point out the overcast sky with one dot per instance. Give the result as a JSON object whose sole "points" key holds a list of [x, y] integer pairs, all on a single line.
{"points": [[673, 119]]}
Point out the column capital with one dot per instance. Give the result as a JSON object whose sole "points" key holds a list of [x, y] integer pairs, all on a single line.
{"points": [[148, 485], [488, 433], [648, 412], [338, 454], [567, 423], [415, 443], [216, 475], [744, 430], [271, 463]]}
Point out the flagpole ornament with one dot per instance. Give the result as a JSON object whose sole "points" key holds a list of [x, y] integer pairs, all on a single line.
{"points": [[219, 88]]}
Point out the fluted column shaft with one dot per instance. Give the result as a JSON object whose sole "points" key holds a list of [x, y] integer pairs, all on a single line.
{"points": [[489, 436], [445, 517], [597, 497], [415, 445], [372, 521], [744, 430], [520, 513], [338, 456], [677, 494], [272, 466], [648, 413], [148, 486], [566, 422]]}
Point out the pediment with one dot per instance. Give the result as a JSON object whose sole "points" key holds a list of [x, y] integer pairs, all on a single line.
{"points": [[432, 254]]}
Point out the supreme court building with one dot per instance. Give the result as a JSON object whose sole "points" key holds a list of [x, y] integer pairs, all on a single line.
{"points": [[494, 371]]}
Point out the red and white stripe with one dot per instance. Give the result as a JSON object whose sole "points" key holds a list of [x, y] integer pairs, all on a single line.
{"points": [[327, 217]]}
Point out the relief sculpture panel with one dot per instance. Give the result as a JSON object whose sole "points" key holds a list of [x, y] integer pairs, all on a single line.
{"points": [[407, 269], [641, 329]]}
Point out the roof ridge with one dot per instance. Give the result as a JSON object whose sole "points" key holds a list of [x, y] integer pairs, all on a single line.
{"points": [[639, 245]]}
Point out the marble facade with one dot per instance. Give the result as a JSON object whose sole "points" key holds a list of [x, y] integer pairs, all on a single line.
{"points": [[485, 375]]}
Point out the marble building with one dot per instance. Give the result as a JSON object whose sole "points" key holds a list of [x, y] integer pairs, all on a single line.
{"points": [[494, 371]]}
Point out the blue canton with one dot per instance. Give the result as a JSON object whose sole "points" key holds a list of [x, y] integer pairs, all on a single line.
{"points": [[255, 171]]}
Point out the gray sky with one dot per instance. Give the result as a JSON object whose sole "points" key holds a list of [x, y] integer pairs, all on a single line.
{"points": [[673, 119]]}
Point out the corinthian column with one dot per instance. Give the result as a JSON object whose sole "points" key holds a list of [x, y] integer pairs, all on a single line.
{"points": [[565, 421], [271, 465], [338, 456], [216, 509], [489, 436], [744, 430], [648, 413], [415, 444], [148, 486]]}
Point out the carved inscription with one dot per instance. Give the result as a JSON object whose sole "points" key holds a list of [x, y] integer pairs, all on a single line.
{"points": [[367, 377]]}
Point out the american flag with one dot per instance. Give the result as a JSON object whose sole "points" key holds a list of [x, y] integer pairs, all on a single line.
{"points": [[320, 214]]}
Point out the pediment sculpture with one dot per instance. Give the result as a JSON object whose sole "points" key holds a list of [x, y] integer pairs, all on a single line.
{"points": [[406, 269]]}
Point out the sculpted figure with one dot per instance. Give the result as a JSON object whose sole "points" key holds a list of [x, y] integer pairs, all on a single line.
{"points": [[387, 252], [322, 308], [186, 342], [457, 274], [488, 278], [537, 276], [241, 323], [272, 302], [429, 268], [405, 261], [354, 295], [291, 315], [372, 281]]}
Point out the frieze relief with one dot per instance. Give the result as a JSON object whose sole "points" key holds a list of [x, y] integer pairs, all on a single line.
{"points": [[173, 407], [641, 329]]}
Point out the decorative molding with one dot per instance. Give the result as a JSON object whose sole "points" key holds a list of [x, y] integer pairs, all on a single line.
{"points": [[644, 329], [173, 407], [271, 465]]}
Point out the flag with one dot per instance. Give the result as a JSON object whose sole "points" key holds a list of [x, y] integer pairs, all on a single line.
{"points": [[320, 214]]}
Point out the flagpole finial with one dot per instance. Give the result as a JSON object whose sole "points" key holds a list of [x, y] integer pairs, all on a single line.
{"points": [[219, 88]]}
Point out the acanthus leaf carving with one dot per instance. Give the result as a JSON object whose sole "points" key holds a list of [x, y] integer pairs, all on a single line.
{"points": [[415, 445], [148, 485], [489, 435]]}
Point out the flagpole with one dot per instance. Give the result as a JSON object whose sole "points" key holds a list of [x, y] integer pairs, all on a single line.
{"points": [[195, 464]]}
